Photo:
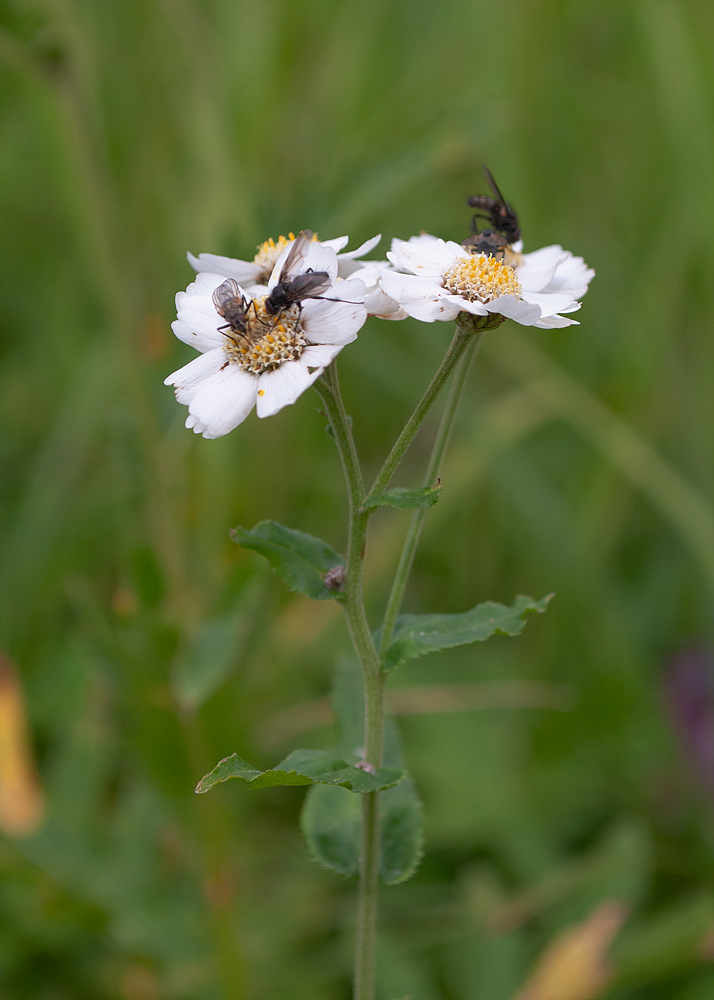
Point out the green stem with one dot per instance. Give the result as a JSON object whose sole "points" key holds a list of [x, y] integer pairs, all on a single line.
{"points": [[416, 525], [466, 327], [356, 617]]}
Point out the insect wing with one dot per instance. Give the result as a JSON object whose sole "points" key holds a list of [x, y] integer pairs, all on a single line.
{"points": [[297, 254], [227, 295], [309, 285], [495, 188]]}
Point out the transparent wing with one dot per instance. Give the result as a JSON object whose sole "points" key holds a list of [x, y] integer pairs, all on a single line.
{"points": [[494, 187], [309, 285], [297, 254], [226, 295]]}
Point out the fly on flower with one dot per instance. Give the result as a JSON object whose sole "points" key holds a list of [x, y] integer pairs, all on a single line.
{"points": [[505, 228], [253, 275], [258, 351], [293, 287]]}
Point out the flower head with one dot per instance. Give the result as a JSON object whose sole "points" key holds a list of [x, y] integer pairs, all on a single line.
{"points": [[253, 274], [435, 279], [262, 350]]}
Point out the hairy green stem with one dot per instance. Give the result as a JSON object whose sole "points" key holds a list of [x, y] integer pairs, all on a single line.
{"points": [[416, 525]]}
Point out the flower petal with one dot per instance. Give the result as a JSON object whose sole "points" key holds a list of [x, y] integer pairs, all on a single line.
{"points": [[317, 257], [361, 250], [283, 386], [429, 258], [223, 401], [326, 322], [245, 272], [189, 379]]}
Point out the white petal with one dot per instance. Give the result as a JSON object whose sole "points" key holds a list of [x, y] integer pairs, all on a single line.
{"points": [[200, 339], [189, 379], [361, 250], [283, 386], [538, 268], [573, 275], [317, 258], [514, 308], [337, 243], [551, 303], [319, 355], [223, 401], [554, 322], [429, 258], [466, 305], [327, 322], [409, 287], [244, 271]]}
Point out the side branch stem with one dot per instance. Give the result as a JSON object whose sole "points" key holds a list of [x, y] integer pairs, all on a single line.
{"points": [[416, 525], [462, 337]]}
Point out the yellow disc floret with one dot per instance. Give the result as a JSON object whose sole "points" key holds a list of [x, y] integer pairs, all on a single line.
{"points": [[269, 252], [268, 340], [481, 278]]}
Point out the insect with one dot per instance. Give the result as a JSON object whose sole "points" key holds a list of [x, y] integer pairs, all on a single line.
{"points": [[291, 290], [233, 306], [504, 228]]}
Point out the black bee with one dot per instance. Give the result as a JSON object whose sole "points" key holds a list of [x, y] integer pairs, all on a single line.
{"points": [[504, 228], [233, 306], [291, 290]]}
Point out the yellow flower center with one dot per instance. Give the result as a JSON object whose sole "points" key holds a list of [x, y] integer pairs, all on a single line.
{"points": [[479, 278], [268, 340], [269, 252]]}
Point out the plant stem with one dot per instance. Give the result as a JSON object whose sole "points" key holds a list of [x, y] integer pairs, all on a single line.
{"points": [[466, 326], [416, 525], [356, 616]]}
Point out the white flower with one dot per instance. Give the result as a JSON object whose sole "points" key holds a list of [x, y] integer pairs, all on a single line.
{"points": [[436, 279], [253, 274], [263, 357]]}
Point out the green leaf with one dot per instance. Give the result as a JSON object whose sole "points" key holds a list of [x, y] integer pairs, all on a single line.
{"points": [[417, 635], [299, 559], [331, 818], [302, 767], [331, 821], [404, 499]]}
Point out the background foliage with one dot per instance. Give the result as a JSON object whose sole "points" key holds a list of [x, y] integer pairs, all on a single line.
{"points": [[567, 775]]}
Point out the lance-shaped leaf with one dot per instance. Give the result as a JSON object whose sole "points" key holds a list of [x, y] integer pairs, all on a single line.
{"points": [[302, 767], [300, 560], [417, 635], [404, 499]]}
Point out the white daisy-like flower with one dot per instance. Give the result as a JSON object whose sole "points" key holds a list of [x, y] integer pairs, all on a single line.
{"points": [[262, 351], [253, 274], [436, 280]]}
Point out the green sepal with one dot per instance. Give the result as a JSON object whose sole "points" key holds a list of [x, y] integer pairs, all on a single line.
{"points": [[302, 767], [404, 499], [299, 559], [418, 635]]}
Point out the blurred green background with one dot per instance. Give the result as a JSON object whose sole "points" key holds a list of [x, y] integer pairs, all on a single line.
{"points": [[568, 787]]}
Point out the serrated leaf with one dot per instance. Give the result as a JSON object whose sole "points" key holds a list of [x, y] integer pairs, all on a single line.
{"points": [[302, 767], [331, 823], [299, 559], [404, 499], [418, 635]]}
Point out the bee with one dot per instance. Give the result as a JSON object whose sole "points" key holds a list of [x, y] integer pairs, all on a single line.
{"points": [[504, 228], [291, 290], [233, 306]]}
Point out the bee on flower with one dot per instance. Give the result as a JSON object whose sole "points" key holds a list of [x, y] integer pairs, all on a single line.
{"points": [[263, 350]]}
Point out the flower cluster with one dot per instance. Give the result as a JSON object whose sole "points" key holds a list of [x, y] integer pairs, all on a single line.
{"points": [[266, 329]]}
